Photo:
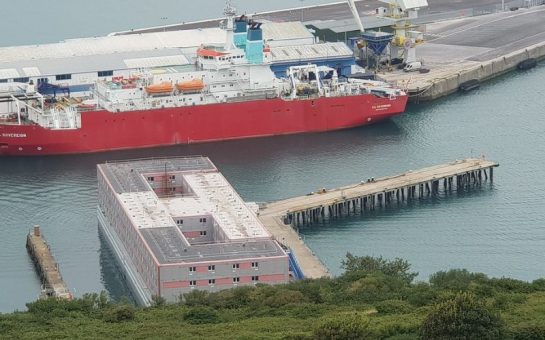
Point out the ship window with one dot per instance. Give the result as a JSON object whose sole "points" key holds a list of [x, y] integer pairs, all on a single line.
{"points": [[63, 76], [3, 80], [21, 80], [105, 73]]}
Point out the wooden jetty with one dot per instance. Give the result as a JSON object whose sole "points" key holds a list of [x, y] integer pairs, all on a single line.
{"points": [[52, 282], [283, 216]]}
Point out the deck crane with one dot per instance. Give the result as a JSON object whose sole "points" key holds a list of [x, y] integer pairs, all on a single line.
{"points": [[354, 11], [406, 39]]}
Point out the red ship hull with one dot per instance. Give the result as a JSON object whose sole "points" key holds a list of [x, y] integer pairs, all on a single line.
{"points": [[104, 131]]}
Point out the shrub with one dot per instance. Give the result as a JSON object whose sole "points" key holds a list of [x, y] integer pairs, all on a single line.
{"points": [[529, 333], [305, 311], [375, 287], [119, 313], [421, 294], [393, 307], [369, 265], [504, 300], [344, 327], [284, 297], [539, 284], [512, 285], [158, 301], [195, 298], [455, 279], [201, 315], [87, 304], [462, 317]]}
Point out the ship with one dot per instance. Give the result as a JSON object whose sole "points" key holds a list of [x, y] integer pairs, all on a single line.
{"points": [[229, 92]]}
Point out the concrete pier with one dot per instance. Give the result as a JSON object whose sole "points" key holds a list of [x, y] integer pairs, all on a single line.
{"points": [[52, 282], [461, 50], [282, 217]]}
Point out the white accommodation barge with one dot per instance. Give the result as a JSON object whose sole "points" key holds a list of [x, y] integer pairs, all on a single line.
{"points": [[176, 225]]}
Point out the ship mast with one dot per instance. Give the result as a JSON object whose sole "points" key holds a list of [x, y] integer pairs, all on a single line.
{"points": [[230, 13]]}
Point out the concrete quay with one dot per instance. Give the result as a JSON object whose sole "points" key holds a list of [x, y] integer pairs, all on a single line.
{"points": [[339, 10], [281, 217], [52, 282], [481, 48]]}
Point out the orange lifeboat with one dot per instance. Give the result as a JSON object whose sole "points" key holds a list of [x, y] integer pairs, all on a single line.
{"points": [[164, 87], [190, 86]]}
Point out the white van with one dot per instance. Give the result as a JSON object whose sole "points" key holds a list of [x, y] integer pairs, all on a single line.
{"points": [[412, 66]]}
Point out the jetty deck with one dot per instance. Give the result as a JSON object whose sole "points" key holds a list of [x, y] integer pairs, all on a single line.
{"points": [[282, 217], [47, 267]]}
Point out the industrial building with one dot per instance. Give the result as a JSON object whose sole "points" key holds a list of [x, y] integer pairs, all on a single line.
{"points": [[176, 225], [74, 65]]}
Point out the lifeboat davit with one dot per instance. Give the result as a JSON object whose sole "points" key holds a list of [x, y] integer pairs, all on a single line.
{"points": [[190, 86], [164, 87]]}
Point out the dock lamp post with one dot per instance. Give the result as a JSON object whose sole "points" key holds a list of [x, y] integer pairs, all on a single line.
{"points": [[165, 25]]}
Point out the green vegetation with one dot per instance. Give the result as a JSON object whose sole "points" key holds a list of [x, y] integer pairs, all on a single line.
{"points": [[374, 299]]}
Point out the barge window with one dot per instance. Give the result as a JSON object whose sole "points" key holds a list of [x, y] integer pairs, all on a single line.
{"points": [[63, 76]]}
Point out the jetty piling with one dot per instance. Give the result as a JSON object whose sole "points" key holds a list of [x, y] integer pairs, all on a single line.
{"points": [[385, 192], [283, 218], [52, 282]]}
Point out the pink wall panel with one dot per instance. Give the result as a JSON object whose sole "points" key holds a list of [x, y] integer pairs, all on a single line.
{"points": [[175, 284], [272, 278]]}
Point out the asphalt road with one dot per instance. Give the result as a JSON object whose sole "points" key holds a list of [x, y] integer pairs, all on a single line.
{"points": [[500, 33]]}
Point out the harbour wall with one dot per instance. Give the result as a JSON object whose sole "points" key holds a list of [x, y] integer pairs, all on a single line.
{"points": [[485, 71]]}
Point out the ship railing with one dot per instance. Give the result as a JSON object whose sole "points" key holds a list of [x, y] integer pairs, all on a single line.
{"points": [[57, 119]]}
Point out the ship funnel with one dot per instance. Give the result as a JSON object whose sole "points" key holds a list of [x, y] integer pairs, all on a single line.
{"points": [[254, 44], [241, 27]]}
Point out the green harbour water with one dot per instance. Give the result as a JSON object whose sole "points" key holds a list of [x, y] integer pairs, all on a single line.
{"points": [[498, 230]]}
